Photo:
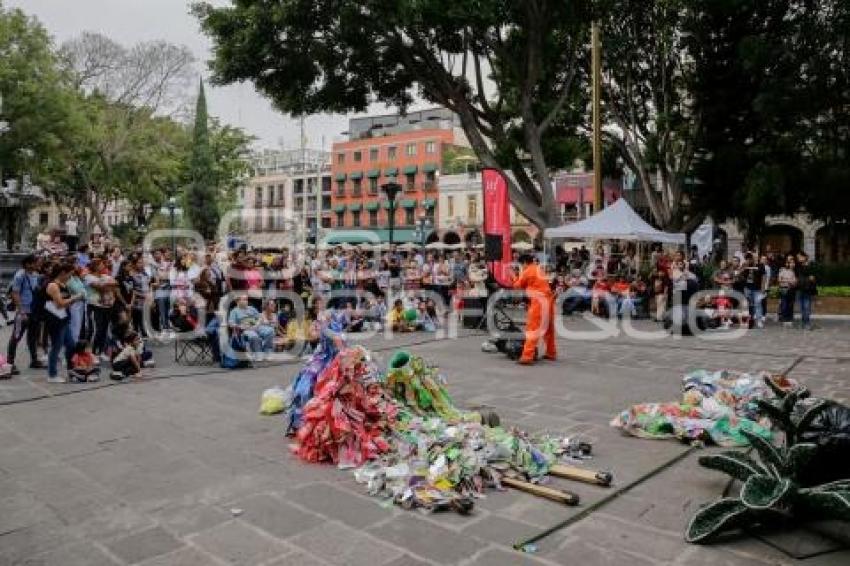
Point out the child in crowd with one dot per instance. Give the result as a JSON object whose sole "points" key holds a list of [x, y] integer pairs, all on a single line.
{"points": [[128, 362], [84, 364]]}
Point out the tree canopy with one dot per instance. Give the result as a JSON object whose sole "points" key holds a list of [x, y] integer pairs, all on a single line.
{"points": [[728, 107], [511, 71]]}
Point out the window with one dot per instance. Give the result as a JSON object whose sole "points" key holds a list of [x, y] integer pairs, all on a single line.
{"points": [[340, 188], [270, 199], [340, 158], [373, 186], [358, 156], [258, 197], [358, 187], [373, 218], [430, 147], [355, 218], [409, 183], [280, 193], [373, 154], [409, 216], [326, 222], [43, 217], [410, 149], [242, 194], [391, 152], [340, 218], [430, 213], [430, 180], [472, 208], [450, 206]]}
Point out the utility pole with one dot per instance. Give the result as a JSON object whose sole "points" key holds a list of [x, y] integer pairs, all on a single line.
{"points": [[596, 61], [304, 182]]}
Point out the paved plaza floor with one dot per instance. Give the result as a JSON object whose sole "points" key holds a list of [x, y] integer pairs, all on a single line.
{"points": [[180, 469]]}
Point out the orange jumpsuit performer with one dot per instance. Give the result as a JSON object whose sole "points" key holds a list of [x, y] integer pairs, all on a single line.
{"points": [[541, 300]]}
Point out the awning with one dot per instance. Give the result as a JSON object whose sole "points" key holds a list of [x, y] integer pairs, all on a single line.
{"points": [[373, 173], [429, 203], [410, 170], [340, 177], [339, 208], [371, 205], [430, 167], [354, 207], [357, 175], [408, 203], [370, 236], [391, 171]]}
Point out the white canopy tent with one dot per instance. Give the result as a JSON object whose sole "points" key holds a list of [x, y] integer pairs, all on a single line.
{"points": [[617, 222]]}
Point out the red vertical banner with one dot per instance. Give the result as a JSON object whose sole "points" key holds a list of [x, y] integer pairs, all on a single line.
{"points": [[497, 226]]}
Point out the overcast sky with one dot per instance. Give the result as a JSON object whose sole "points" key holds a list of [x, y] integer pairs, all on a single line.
{"points": [[131, 21]]}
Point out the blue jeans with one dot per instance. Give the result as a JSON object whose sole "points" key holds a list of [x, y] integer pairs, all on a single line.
{"points": [[60, 337], [77, 312], [162, 307], [806, 309], [260, 339], [754, 301]]}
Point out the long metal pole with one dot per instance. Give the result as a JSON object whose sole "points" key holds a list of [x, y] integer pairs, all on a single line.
{"points": [[305, 179], [597, 118]]}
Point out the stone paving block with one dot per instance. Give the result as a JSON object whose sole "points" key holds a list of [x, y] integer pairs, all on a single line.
{"points": [[142, 545], [632, 538], [112, 521], [580, 551], [76, 554], [20, 544], [339, 504], [500, 557], [298, 558], [407, 560], [237, 543], [22, 509], [426, 539], [186, 556], [188, 519], [275, 516], [500, 530], [338, 544]]}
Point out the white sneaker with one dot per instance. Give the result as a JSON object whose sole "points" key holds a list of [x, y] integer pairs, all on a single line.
{"points": [[149, 363], [57, 379], [760, 324], [93, 378]]}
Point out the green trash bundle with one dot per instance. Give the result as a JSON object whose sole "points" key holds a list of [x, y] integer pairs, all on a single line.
{"points": [[418, 385]]}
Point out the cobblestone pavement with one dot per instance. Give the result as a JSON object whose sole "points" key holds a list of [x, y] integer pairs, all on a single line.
{"points": [[182, 470]]}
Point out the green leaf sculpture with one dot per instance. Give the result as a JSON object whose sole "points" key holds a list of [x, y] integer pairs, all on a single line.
{"points": [[771, 488]]}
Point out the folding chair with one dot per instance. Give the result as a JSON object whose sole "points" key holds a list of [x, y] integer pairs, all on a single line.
{"points": [[193, 351]]}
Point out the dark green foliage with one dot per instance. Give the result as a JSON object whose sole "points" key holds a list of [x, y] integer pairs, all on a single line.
{"points": [[774, 486], [202, 195]]}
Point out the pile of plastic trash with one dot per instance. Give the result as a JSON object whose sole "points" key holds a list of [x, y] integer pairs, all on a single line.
{"points": [[715, 407], [402, 433]]}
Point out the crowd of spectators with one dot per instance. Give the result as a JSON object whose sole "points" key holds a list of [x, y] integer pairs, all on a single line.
{"points": [[101, 308]]}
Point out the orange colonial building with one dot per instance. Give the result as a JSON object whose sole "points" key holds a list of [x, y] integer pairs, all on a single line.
{"points": [[405, 149]]}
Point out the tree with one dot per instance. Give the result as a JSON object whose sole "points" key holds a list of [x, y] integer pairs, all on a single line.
{"points": [[772, 82], [653, 123], [202, 195], [510, 70], [154, 74], [36, 101]]}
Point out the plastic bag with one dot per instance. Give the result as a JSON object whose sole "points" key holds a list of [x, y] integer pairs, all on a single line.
{"points": [[273, 401]]}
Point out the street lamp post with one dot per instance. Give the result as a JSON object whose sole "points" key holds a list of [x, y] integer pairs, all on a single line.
{"points": [[422, 229], [172, 205], [391, 189]]}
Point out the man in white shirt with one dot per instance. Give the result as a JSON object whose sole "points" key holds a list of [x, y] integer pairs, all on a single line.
{"points": [[71, 235]]}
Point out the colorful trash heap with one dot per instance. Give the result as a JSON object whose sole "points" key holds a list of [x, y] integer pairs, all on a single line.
{"points": [[406, 440], [716, 406]]}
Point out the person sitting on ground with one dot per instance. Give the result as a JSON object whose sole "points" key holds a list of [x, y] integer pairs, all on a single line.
{"points": [[84, 363], [128, 361], [270, 324], [396, 317]]}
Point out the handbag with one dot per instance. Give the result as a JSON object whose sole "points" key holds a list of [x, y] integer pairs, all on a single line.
{"points": [[60, 313]]}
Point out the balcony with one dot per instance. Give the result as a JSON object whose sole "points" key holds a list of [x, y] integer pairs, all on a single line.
{"points": [[410, 187], [429, 186], [357, 192]]}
